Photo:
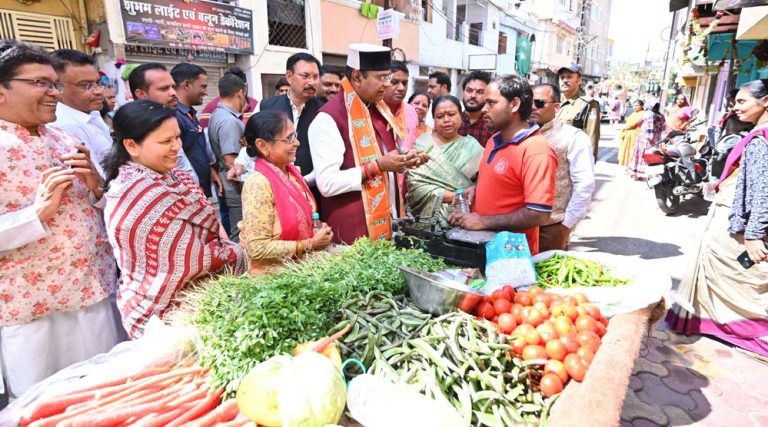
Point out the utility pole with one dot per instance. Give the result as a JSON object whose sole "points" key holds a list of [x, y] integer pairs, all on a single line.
{"points": [[583, 32], [388, 42]]}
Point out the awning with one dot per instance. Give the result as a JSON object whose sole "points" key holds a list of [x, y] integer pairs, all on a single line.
{"points": [[753, 24], [738, 4]]}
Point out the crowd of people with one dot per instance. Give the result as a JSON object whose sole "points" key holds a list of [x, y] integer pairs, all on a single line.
{"points": [[108, 213]]}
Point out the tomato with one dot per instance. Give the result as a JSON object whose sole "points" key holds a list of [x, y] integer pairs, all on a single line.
{"points": [[502, 305], [592, 310], [571, 342], [499, 294], [588, 339], [531, 352], [563, 325], [518, 344], [485, 309], [495, 320], [547, 331], [550, 385], [569, 299], [517, 311], [543, 298], [575, 367], [586, 323], [535, 290], [580, 298], [601, 330], [566, 309], [523, 329], [523, 299], [533, 337], [586, 354], [556, 298], [510, 292], [542, 309], [532, 316], [469, 302], [556, 350], [558, 368], [604, 321], [507, 323], [581, 310]]}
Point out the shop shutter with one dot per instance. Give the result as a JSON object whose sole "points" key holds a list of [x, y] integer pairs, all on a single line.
{"points": [[50, 32]]}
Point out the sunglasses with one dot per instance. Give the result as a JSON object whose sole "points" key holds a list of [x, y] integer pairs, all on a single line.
{"points": [[540, 103]]}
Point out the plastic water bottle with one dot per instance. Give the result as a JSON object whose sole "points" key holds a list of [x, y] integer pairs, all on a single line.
{"points": [[460, 202], [376, 402], [709, 192], [316, 223]]}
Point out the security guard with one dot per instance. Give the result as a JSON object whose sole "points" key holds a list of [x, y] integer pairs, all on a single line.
{"points": [[576, 109]]}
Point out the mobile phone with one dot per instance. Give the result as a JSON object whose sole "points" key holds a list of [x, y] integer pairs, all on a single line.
{"points": [[745, 260], [79, 151]]}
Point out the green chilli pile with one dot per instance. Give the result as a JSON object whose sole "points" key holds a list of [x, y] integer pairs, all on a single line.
{"points": [[565, 271], [245, 320]]}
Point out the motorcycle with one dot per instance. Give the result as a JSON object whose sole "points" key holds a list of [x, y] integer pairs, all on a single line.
{"points": [[677, 169]]}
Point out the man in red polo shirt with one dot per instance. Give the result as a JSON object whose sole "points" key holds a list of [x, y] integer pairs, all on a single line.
{"points": [[516, 182]]}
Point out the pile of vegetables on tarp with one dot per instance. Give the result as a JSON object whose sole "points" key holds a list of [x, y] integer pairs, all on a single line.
{"points": [[246, 320]]}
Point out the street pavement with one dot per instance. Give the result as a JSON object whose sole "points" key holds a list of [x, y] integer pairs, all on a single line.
{"points": [[677, 380]]}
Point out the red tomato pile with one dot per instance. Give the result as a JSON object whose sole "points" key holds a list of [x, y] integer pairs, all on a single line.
{"points": [[564, 331]]}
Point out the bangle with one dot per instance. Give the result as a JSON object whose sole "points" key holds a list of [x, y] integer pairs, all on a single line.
{"points": [[378, 167], [367, 169], [309, 244]]}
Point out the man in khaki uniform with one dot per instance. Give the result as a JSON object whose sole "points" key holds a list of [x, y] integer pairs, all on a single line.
{"points": [[576, 109]]}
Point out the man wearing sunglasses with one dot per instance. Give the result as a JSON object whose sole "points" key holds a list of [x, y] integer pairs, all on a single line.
{"points": [[576, 109], [81, 101], [575, 178]]}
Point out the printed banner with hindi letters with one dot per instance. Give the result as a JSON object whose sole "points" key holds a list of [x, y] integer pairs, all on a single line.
{"points": [[196, 25]]}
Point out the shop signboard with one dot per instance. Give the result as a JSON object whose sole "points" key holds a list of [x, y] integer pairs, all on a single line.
{"points": [[172, 53], [188, 25]]}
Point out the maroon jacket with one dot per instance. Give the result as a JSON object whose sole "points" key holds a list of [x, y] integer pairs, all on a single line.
{"points": [[345, 213]]}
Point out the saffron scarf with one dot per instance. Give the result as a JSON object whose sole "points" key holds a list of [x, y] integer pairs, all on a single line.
{"points": [[293, 205], [362, 137]]}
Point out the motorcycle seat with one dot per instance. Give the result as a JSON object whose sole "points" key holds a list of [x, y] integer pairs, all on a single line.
{"points": [[681, 150]]}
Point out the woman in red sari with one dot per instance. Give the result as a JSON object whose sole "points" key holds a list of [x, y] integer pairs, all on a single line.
{"points": [[163, 230], [277, 203]]}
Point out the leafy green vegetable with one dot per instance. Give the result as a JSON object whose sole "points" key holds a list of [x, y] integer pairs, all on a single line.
{"points": [[245, 320]]}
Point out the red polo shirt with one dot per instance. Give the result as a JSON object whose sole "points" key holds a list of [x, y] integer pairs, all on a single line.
{"points": [[514, 174]]}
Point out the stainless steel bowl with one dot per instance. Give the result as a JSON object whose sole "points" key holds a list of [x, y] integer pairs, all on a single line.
{"points": [[438, 295]]}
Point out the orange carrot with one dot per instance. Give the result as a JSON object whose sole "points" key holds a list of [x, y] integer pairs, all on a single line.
{"points": [[118, 415], [225, 412], [236, 423], [327, 341], [203, 407], [162, 419]]}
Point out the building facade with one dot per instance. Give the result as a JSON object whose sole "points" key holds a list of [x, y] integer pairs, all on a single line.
{"points": [[53, 25]]}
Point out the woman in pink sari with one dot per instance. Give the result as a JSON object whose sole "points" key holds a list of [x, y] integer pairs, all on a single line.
{"points": [[277, 203]]}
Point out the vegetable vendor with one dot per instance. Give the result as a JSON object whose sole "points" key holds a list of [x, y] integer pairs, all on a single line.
{"points": [[354, 146], [516, 181]]}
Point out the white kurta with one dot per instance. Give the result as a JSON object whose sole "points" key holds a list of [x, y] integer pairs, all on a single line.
{"points": [[327, 148]]}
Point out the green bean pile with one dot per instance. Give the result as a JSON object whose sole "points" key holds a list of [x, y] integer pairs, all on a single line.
{"points": [[379, 321], [467, 363], [565, 271]]}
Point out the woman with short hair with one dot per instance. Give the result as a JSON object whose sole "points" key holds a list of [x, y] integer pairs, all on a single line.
{"points": [[277, 203]]}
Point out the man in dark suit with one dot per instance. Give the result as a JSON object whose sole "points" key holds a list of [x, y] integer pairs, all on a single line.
{"points": [[301, 106]]}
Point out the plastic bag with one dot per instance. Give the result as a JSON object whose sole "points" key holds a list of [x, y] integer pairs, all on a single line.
{"points": [[649, 284], [508, 262], [161, 346]]}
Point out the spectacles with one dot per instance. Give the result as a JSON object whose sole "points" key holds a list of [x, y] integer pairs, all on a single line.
{"points": [[41, 84], [289, 140], [540, 103], [88, 85], [384, 78], [307, 76]]}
